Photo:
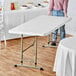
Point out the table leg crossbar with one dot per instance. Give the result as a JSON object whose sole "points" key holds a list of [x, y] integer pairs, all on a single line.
{"points": [[35, 61], [29, 46]]}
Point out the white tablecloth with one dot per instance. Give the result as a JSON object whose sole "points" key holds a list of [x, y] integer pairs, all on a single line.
{"points": [[35, 12], [17, 17], [65, 61], [13, 18]]}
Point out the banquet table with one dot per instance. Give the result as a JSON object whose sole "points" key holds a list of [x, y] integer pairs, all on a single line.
{"points": [[40, 26], [65, 61]]}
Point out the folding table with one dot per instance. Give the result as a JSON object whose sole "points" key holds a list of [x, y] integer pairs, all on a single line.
{"points": [[40, 26]]}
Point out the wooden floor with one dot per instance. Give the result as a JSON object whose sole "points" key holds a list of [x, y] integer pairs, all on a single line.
{"points": [[11, 55]]}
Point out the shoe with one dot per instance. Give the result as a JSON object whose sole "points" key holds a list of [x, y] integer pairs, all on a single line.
{"points": [[53, 43]]}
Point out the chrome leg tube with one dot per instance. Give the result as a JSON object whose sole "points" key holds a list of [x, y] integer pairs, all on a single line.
{"points": [[22, 49], [35, 50]]}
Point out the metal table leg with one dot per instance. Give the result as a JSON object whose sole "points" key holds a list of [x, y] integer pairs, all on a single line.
{"points": [[21, 49], [35, 61], [0, 40], [48, 39], [0, 44], [49, 45]]}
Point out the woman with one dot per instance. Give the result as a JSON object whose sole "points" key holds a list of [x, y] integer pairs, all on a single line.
{"points": [[58, 8]]}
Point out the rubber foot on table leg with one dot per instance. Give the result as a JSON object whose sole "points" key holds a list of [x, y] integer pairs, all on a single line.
{"points": [[43, 46], [15, 65], [48, 42], [35, 63], [41, 69], [21, 61]]}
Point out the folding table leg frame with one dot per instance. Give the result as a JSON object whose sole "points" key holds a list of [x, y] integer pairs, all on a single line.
{"points": [[35, 61], [49, 45], [0, 44], [4, 39]]}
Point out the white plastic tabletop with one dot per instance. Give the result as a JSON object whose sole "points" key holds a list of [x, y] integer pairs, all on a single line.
{"points": [[40, 26]]}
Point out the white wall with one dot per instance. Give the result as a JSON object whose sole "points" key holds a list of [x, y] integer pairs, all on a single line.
{"points": [[71, 26]]}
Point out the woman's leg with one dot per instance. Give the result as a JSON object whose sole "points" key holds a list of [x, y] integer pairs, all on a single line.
{"points": [[62, 32], [58, 13], [55, 35], [54, 13], [62, 29]]}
